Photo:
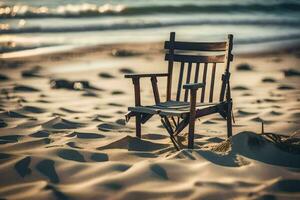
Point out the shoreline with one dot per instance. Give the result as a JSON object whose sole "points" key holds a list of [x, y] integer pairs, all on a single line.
{"points": [[250, 49]]}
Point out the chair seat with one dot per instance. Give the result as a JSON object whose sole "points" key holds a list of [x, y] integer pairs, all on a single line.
{"points": [[170, 108]]}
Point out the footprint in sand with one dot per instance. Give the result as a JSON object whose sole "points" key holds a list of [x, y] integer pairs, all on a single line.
{"points": [[109, 126], [285, 87], [159, 171], [115, 104], [106, 75], [3, 77], [31, 73], [84, 135], [73, 145], [244, 67], [39, 134], [2, 124], [14, 114], [98, 117], [43, 101], [145, 155], [46, 167], [209, 122], [70, 154], [126, 71], [32, 109], [285, 185], [113, 186], [4, 156], [59, 195], [9, 139], [71, 85], [69, 110], [89, 94], [259, 120], [120, 112], [291, 72], [24, 88], [22, 166], [152, 136], [123, 53], [88, 135], [245, 113], [268, 80], [240, 88], [99, 157], [60, 123], [117, 92], [121, 122], [120, 167]]}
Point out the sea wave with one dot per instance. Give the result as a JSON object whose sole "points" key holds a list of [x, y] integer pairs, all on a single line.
{"points": [[145, 25], [284, 40], [92, 10]]}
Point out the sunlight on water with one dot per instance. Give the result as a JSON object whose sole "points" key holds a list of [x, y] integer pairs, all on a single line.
{"points": [[32, 24]]}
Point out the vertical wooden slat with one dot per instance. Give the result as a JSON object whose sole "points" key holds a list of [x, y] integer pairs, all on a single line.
{"points": [[212, 82], [155, 89], [170, 66], [188, 79], [196, 73], [180, 81], [203, 81]]}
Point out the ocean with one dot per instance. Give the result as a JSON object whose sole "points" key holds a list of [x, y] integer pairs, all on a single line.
{"points": [[256, 24]]}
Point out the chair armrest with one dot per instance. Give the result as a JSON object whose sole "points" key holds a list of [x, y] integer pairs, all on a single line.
{"points": [[145, 75], [193, 86]]}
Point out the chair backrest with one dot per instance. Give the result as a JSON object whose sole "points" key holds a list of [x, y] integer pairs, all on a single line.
{"points": [[201, 65]]}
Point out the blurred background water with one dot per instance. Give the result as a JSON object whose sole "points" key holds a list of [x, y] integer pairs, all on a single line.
{"points": [[29, 24]]}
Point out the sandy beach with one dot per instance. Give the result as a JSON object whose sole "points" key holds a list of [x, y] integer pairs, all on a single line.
{"points": [[63, 133]]}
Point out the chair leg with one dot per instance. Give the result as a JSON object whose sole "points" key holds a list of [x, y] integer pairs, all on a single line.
{"points": [[138, 125], [229, 120], [192, 118], [191, 132]]}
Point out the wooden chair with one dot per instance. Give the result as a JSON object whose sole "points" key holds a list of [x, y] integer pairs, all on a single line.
{"points": [[177, 114]]}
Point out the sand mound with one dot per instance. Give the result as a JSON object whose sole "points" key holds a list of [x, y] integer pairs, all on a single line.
{"points": [[256, 147], [60, 123], [84, 135], [13, 114], [110, 126], [41, 133], [32, 109], [133, 144]]}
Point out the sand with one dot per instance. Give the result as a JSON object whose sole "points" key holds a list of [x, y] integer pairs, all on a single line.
{"points": [[63, 133]]}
